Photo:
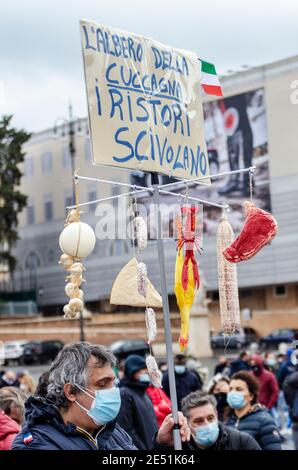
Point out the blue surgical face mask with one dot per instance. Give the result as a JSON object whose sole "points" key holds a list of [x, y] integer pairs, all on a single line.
{"points": [[207, 435], [145, 378], [180, 369], [271, 362], [236, 400], [105, 406]]}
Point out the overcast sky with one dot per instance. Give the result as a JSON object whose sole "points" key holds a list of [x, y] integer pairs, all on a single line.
{"points": [[40, 54]]}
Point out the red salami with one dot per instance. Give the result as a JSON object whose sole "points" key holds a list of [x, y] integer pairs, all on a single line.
{"points": [[259, 229]]}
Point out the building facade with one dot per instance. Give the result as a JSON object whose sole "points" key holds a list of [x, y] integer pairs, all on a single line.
{"points": [[268, 283]]}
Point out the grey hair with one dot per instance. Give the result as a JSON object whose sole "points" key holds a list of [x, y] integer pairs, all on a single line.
{"points": [[195, 400], [70, 366]]}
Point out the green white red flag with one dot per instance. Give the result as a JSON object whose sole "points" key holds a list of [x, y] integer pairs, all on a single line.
{"points": [[209, 79]]}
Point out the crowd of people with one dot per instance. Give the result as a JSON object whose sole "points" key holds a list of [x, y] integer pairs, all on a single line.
{"points": [[86, 401]]}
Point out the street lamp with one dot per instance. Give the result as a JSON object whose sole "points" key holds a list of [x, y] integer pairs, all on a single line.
{"points": [[69, 127]]}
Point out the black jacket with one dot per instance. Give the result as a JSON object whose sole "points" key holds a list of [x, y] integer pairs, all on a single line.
{"points": [[290, 390], [228, 439], [44, 429], [137, 414], [260, 425], [185, 384]]}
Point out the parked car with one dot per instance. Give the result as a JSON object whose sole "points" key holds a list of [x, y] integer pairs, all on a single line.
{"points": [[13, 351], [219, 340], [41, 352], [123, 348], [283, 335]]}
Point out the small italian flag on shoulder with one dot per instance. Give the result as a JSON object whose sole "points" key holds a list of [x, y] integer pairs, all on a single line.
{"points": [[209, 79]]}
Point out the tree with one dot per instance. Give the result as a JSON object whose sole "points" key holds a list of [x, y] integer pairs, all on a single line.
{"points": [[12, 201]]}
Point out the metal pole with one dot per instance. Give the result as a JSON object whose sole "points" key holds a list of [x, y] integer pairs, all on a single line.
{"points": [[166, 313], [72, 151], [216, 175]]}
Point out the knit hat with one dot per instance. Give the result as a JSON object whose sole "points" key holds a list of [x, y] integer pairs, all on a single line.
{"points": [[133, 364]]}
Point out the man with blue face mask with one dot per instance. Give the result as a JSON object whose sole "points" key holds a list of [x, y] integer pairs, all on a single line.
{"points": [[187, 381], [77, 406], [137, 415], [207, 433]]}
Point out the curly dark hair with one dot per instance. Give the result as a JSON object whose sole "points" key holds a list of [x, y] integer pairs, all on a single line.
{"points": [[251, 382]]}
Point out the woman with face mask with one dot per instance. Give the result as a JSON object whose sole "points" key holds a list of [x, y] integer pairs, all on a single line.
{"points": [[248, 415], [220, 389]]}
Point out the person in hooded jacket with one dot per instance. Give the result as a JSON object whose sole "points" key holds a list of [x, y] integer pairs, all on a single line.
{"points": [[137, 415], [79, 406], [248, 415], [11, 416], [268, 391]]}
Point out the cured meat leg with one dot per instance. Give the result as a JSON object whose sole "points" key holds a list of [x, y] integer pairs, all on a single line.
{"points": [[259, 229]]}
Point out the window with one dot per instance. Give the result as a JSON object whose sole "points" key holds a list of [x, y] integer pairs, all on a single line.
{"points": [[46, 162], [66, 158], [32, 261], [68, 198], [280, 291], [30, 213], [118, 248], [29, 167], [48, 207], [88, 153], [246, 293], [92, 196], [51, 256]]}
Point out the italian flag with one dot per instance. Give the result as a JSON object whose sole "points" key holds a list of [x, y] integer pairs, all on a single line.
{"points": [[209, 79]]}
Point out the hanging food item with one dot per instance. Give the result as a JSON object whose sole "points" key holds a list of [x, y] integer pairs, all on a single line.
{"points": [[153, 371], [184, 298], [140, 233], [259, 229], [77, 241], [227, 280], [150, 324], [186, 269], [125, 289], [189, 239], [142, 279]]}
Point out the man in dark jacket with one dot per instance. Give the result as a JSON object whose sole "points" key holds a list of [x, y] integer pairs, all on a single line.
{"points": [[81, 405], [268, 394], [187, 381], [239, 364], [137, 415], [286, 368], [290, 390], [206, 432]]}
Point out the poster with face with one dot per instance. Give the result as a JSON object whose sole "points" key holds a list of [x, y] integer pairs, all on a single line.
{"points": [[236, 137]]}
